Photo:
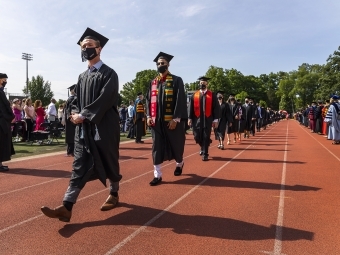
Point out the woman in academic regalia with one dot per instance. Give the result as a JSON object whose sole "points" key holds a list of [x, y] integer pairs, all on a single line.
{"points": [[225, 121]]}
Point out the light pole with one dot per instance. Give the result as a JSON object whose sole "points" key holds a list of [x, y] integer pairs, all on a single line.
{"points": [[27, 57]]}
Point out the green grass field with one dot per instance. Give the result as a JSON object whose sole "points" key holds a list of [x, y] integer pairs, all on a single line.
{"points": [[23, 149]]}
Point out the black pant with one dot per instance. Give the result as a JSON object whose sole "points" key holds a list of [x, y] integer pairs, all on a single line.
{"points": [[139, 129], [29, 129], [70, 149]]}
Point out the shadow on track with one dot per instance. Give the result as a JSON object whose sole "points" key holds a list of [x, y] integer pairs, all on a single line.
{"points": [[215, 182], [197, 225]]}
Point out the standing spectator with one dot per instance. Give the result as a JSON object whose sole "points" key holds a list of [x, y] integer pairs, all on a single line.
{"points": [[123, 116], [319, 118], [40, 113], [130, 120], [6, 117], [29, 117], [51, 111], [324, 113], [312, 117], [16, 107], [61, 112]]}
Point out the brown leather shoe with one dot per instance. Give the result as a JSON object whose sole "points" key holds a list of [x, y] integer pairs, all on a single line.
{"points": [[59, 212], [110, 203]]}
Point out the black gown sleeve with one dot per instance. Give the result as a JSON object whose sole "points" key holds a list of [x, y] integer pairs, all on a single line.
{"points": [[180, 106]]}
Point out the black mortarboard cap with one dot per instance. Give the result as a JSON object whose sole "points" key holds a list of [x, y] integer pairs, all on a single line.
{"points": [[163, 55], [335, 97], [91, 34], [139, 93], [219, 93], [231, 95], [203, 78], [72, 87], [313, 102], [3, 75]]}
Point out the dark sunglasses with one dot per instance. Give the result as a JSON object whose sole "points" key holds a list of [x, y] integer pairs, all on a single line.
{"points": [[161, 64]]}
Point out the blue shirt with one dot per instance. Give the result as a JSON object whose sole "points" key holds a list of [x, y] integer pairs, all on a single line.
{"points": [[96, 66]]}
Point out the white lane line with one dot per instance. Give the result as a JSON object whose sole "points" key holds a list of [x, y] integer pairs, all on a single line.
{"points": [[56, 179], [31, 186], [279, 222], [55, 154], [321, 144], [143, 228], [91, 195]]}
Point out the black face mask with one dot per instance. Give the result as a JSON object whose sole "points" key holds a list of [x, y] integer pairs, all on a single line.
{"points": [[220, 98], [88, 54], [4, 84], [203, 86], [247, 101], [162, 69]]}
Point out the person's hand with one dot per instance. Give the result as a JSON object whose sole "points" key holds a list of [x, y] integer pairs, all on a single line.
{"points": [[215, 124], [236, 117], [76, 119], [189, 123], [63, 122], [143, 119], [149, 122], [230, 124], [253, 119], [172, 124]]}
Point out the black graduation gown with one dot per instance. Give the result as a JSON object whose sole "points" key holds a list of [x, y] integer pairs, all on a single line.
{"points": [[233, 109], [201, 125], [168, 144], [225, 120], [70, 128], [97, 98], [318, 117], [139, 123], [248, 115], [6, 117]]}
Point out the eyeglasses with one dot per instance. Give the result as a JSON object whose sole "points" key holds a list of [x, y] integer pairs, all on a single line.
{"points": [[161, 64]]}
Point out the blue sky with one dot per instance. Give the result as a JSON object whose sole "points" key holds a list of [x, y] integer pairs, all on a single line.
{"points": [[253, 36]]}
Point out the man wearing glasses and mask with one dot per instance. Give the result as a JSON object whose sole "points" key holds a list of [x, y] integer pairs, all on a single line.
{"points": [[166, 115], [97, 135], [204, 113]]}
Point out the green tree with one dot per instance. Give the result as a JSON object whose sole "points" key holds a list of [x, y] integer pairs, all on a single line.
{"points": [[140, 84], [218, 80], [242, 95], [40, 90], [330, 78]]}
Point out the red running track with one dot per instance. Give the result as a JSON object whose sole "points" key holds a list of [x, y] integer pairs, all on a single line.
{"points": [[276, 193]]}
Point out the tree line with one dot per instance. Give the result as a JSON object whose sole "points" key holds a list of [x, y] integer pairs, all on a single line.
{"points": [[282, 90]]}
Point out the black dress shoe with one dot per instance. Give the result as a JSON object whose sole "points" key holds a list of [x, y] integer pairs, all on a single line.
{"points": [[156, 181], [201, 153], [178, 170], [140, 142], [205, 158], [4, 168]]}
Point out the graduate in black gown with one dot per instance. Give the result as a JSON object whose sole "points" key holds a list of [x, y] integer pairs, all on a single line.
{"points": [[166, 115], [233, 111], [249, 116], [6, 117], [97, 135], [224, 122], [139, 118], [204, 112], [70, 128]]}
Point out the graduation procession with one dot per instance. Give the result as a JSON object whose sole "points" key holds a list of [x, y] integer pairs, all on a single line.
{"points": [[146, 140]]}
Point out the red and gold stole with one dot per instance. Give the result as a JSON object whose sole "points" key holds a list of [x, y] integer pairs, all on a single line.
{"points": [[168, 100], [208, 103]]}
